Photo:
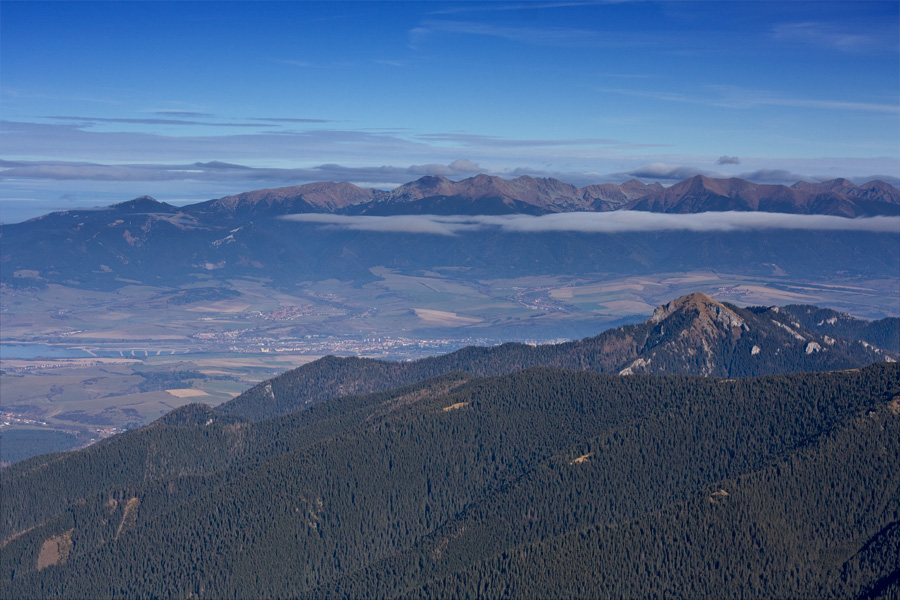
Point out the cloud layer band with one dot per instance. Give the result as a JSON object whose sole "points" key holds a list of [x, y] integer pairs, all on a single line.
{"points": [[605, 222]]}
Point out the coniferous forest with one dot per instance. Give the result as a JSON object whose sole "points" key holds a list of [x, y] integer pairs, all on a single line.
{"points": [[540, 483]]}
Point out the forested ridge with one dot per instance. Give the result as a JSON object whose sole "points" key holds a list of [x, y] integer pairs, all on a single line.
{"points": [[884, 333], [539, 483], [691, 335]]}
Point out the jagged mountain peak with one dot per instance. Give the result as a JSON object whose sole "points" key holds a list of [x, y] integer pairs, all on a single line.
{"points": [[694, 334], [697, 334], [430, 185], [708, 310], [840, 185], [482, 193], [694, 299], [703, 194]]}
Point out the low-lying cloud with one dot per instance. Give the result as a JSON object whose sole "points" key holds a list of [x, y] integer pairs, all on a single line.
{"points": [[667, 172], [604, 222]]}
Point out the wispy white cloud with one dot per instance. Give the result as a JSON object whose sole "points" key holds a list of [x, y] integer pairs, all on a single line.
{"points": [[276, 142], [542, 36], [778, 177], [183, 114], [391, 62], [730, 96], [298, 63], [465, 166], [76, 140], [86, 121], [288, 120], [608, 222], [568, 37], [832, 36], [512, 6], [740, 97], [476, 140], [673, 173], [282, 155], [221, 171], [623, 75], [667, 172]]}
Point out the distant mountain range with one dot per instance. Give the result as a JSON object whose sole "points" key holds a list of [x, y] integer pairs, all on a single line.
{"points": [[508, 471], [485, 194], [155, 243]]}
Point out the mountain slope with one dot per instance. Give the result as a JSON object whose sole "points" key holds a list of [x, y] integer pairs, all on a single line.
{"points": [[244, 236], [485, 194], [838, 197], [883, 333], [691, 335], [820, 531], [325, 196], [418, 488]]}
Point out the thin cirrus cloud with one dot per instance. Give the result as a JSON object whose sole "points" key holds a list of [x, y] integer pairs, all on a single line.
{"points": [[381, 176], [607, 222], [547, 36], [730, 96], [667, 172], [288, 120], [778, 177], [183, 114], [675, 173], [828, 35], [496, 7], [222, 171], [81, 153], [568, 37], [488, 141], [76, 140], [88, 120]]}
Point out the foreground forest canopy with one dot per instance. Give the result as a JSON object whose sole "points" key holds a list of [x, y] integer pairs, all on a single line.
{"points": [[543, 483], [512, 471]]}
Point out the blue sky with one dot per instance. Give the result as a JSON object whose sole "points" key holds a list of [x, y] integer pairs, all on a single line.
{"points": [[102, 102]]}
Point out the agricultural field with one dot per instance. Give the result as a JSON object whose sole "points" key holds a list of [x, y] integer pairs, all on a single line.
{"points": [[61, 403]]}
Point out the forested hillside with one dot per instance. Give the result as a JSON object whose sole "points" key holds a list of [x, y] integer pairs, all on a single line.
{"points": [[690, 335], [541, 483], [884, 333]]}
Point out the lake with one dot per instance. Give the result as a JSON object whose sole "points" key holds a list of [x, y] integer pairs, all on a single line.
{"points": [[39, 351]]}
